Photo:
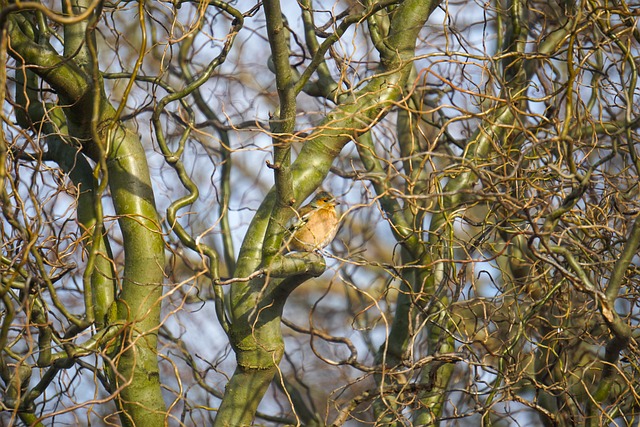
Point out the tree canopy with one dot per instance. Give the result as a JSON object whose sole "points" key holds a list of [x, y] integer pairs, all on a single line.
{"points": [[154, 155]]}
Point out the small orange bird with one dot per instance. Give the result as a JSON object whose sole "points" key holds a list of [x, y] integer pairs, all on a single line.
{"points": [[317, 224]]}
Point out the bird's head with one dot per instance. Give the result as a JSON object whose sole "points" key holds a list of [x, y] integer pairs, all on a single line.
{"points": [[324, 199]]}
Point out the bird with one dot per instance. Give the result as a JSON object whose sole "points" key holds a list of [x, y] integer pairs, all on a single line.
{"points": [[316, 225]]}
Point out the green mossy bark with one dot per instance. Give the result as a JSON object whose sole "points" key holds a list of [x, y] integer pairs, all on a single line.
{"points": [[256, 330], [129, 181]]}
